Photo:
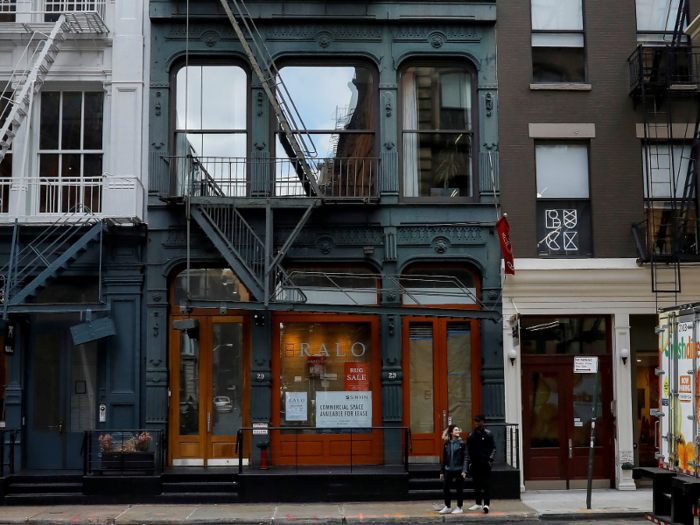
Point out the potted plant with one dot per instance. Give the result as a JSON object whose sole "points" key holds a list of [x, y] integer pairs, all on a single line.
{"points": [[137, 453], [110, 459]]}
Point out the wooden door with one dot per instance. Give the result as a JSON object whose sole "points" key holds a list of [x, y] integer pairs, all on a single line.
{"points": [[210, 390], [557, 414], [441, 379]]}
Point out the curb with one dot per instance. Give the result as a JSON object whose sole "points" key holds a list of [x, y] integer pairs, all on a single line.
{"points": [[592, 515]]}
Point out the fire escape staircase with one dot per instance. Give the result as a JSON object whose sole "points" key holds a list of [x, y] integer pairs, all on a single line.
{"points": [[35, 63], [249, 255], [660, 75], [46, 257]]}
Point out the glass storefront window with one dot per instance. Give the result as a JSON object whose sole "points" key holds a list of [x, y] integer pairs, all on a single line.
{"points": [[325, 376], [214, 284], [420, 351], [189, 385], [564, 335]]}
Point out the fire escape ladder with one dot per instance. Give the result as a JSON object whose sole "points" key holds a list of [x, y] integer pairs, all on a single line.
{"points": [[39, 56], [237, 243], [295, 138], [46, 257], [683, 227]]}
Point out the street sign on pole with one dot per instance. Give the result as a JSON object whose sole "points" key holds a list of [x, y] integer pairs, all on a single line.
{"points": [[589, 365]]}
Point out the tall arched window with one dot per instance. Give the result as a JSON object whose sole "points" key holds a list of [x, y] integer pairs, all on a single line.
{"points": [[437, 132], [429, 285]]}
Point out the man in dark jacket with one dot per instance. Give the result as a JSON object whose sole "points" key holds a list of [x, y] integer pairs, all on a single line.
{"points": [[481, 450]]}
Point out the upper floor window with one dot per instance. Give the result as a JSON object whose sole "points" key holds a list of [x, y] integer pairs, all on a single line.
{"points": [[63, 6], [6, 163], [211, 125], [558, 41], [429, 285], [656, 19], [437, 132], [563, 200], [8, 8], [70, 151], [336, 106]]}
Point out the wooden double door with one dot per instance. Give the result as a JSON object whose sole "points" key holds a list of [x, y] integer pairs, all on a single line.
{"points": [[557, 418], [209, 390], [441, 368]]}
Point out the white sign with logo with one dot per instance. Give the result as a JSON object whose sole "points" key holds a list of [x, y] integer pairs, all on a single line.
{"points": [[585, 365], [295, 403], [343, 409]]}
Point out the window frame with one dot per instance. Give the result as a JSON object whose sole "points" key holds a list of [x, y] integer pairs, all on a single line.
{"points": [[8, 11], [582, 32], [173, 130], [60, 152], [321, 62], [589, 200], [425, 268], [470, 69], [662, 34]]}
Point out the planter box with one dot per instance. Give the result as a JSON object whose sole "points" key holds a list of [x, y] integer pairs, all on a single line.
{"points": [[144, 461]]}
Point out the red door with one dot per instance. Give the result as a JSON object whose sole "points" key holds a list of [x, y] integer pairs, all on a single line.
{"points": [[557, 417]]}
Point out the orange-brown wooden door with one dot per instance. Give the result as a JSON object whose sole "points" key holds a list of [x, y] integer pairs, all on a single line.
{"points": [[441, 361], [209, 387]]}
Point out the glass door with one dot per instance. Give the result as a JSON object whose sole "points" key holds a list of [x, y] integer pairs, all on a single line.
{"points": [[439, 370], [209, 391]]}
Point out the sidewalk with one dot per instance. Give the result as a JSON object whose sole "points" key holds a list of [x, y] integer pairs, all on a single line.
{"points": [[571, 504], [560, 505]]}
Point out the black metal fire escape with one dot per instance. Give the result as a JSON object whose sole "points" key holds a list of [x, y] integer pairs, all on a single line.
{"points": [[665, 82]]}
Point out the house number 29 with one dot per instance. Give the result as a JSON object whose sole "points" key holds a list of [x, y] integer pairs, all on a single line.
{"points": [[392, 375], [261, 377]]}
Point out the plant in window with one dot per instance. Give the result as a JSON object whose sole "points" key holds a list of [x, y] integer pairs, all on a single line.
{"points": [[452, 166]]}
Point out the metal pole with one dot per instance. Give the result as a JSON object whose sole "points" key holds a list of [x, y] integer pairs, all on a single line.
{"points": [[8, 282], [592, 446]]}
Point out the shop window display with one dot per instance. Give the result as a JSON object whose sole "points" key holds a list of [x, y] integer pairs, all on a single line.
{"points": [[325, 376]]}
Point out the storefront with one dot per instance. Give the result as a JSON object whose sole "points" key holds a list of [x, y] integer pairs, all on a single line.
{"points": [[326, 370], [209, 361], [590, 308]]}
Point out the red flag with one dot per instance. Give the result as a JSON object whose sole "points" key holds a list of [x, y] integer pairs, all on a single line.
{"points": [[503, 229]]}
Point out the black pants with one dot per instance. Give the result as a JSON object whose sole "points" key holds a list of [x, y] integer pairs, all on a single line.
{"points": [[456, 476], [481, 474]]}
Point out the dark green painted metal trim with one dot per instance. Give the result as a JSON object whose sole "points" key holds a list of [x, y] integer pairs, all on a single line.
{"points": [[491, 315]]}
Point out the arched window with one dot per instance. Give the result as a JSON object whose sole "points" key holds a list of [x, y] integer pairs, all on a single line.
{"points": [[437, 132], [336, 285], [210, 284], [429, 285]]}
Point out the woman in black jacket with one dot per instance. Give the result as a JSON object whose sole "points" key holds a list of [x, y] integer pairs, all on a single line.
{"points": [[453, 468]]}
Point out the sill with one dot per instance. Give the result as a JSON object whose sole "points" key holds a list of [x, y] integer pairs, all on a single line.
{"points": [[561, 87]]}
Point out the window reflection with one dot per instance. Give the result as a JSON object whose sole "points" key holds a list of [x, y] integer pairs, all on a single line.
{"points": [[213, 284], [570, 335]]}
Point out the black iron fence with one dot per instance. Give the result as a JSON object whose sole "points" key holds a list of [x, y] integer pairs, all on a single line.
{"points": [[507, 438], [118, 452], [654, 67], [360, 445], [344, 179], [8, 439]]}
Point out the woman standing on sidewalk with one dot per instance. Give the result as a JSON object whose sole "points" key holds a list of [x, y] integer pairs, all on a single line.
{"points": [[453, 468]]}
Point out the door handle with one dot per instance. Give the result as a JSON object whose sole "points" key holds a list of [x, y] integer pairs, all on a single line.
{"points": [[59, 427], [208, 421], [571, 450], [444, 419]]}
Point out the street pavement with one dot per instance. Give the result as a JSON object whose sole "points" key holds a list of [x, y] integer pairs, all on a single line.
{"points": [[554, 506]]}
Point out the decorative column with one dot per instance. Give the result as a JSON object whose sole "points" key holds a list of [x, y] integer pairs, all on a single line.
{"points": [[260, 376], [622, 387], [157, 329]]}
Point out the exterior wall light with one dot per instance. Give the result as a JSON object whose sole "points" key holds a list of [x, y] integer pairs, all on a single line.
{"points": [[624, 354], [512, 354]]}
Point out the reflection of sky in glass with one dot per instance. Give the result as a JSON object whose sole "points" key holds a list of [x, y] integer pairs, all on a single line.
{"points": [[216, 97], [317, 92]]}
